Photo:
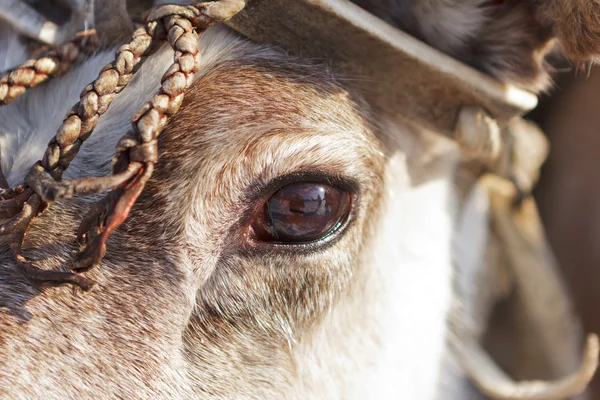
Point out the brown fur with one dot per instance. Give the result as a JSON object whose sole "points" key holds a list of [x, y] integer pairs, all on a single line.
{"points": [[184, 307], [508, 39], [576, 24], [512, 46]]}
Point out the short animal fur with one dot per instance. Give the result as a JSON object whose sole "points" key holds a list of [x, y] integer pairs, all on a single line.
{"points": [[509, 39], [184, 306]]}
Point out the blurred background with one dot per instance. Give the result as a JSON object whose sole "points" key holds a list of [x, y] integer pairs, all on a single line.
{"points": [[568, 192]]}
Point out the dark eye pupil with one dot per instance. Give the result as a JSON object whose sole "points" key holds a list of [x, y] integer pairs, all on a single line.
{"points": [[303, 212]]}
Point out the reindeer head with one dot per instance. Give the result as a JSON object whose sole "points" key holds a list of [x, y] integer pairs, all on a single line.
{"points": [[292, 243]]}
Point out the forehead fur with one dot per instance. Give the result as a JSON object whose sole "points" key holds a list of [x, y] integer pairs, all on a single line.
{"points": [[262, 116]]}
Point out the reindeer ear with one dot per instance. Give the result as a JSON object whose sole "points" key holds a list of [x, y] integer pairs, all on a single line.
{"points": [[576, 24]]}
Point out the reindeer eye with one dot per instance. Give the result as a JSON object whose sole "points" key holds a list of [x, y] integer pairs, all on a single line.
{"points": [[300, 213]]}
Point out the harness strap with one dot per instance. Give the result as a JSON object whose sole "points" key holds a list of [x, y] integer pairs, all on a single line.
{"points": [[136, 152], [51, 63]]}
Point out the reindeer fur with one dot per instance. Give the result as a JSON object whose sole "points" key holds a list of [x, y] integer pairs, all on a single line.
{"points": [[576, 23], [508, 39], [184, 307]]}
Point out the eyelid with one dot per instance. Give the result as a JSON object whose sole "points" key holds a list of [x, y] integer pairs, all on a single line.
{"points": [[261, 190]]}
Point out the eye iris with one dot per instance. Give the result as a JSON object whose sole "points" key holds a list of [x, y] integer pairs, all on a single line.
{"points": [[303, 212]]}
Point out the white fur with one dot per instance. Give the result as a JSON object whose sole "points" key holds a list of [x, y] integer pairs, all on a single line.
{"points": [[416, 304]]}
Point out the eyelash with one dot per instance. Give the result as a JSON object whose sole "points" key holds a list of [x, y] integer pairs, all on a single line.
{"points": [[264, 191]]}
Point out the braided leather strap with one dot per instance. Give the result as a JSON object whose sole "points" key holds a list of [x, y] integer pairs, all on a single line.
{"points": [[136, 152], [50, 64]]}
